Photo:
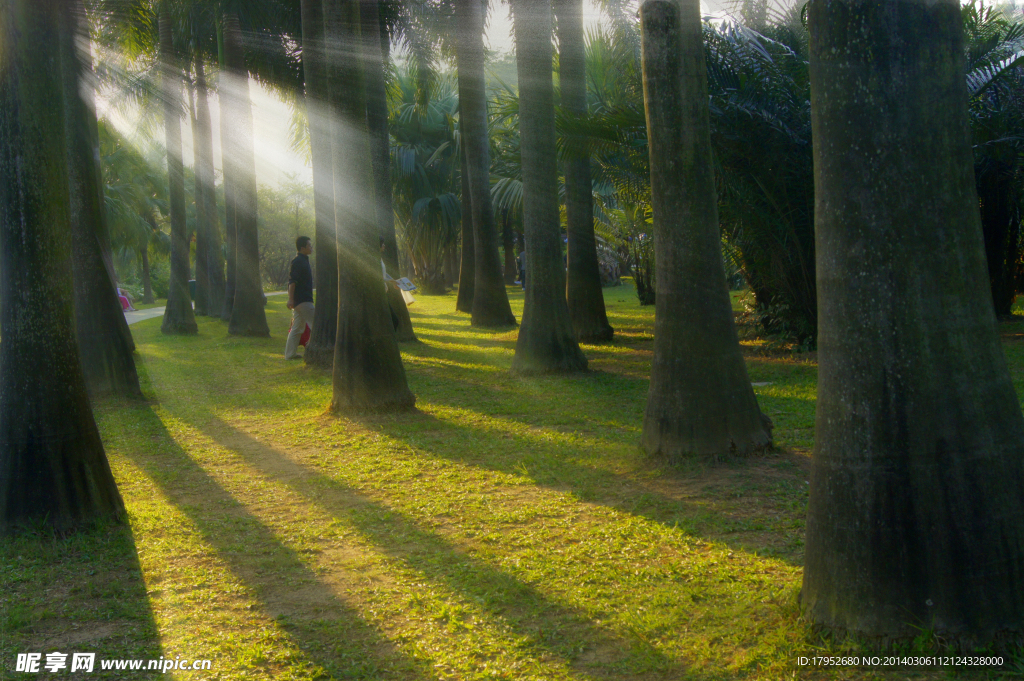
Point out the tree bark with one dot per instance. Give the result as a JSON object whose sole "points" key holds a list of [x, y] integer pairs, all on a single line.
{"points": [[490, 300], [546, 340], [105, 344], [213, 263], [320, 348], [700, 403], [583, 286], [467, 266], [377, 123], [368, 371], [178, 315], [248, 318], [915, 520], [201, 299], [52, 466]]}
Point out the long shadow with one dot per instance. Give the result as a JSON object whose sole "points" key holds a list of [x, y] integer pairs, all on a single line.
{"points": [[562, 467], [347, 646], [81, 594], [538, 623]]}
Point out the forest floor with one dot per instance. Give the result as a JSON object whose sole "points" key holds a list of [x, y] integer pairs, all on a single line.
{"points": [[508, 528]]}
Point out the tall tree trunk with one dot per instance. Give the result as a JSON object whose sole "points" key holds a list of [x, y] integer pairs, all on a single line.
{"points": [[248, 318], [147, 282], [201, 299], [368, 371], [508, 236], [229, 170], [105, 343], [377, 123], [490, 300], [320, 348], [546, 340], [700, 402], [1000, 226], [213, 264], [915, 520], [467, 268], [583, 286], [178, 315], [52, 465]]}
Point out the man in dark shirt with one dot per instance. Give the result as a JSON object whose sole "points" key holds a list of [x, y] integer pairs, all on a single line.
{"points": [[300, 296]]}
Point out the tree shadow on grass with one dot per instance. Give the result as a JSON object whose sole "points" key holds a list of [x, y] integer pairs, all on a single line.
{"points": [[541, 627], [83, 593], [688, 500], [331, 633]]}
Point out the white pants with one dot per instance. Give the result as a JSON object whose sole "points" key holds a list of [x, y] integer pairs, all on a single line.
{"points": [[301, 315]]}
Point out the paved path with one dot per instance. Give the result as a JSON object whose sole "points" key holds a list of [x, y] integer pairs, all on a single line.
{"points": [[139, 315]]}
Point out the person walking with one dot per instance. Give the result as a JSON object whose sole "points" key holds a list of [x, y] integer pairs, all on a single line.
{"points": [[300, 296]]}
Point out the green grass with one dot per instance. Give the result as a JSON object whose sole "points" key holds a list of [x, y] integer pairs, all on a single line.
{"points": [[510, 528]]}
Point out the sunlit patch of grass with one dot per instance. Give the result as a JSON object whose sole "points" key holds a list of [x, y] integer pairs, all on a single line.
{"points": [[509, 528]]}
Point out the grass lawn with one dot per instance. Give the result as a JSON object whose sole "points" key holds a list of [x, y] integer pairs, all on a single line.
{"points": [[508, 529]]}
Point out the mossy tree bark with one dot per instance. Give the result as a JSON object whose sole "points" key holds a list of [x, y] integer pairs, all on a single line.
{"points": [[467, 266], [320, 348], [178, 315], [52, 466], [368, 371], [377, 123], [248, 318], [212, 264], [700, 403], [583, 276], [490, 300], [915, 520], [105, 344], [546, 340]]}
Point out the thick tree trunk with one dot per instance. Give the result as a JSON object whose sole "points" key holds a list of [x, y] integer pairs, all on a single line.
{"points": [[583, 278], [213, 263], [490, 300], [320, 348], [700, 403], [467, 268], [915, 520], [178, 315], [546, 340], [52, 465], [368, 371], [248, 318], [377, 123], [105, 343]]}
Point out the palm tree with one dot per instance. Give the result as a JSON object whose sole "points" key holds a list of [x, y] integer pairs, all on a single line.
{"points": [[490, 301], [209, 257], [248, 317], [546, 341], [700, 403], [377, 122], [368, 371], [915, 519], [53, 469], [467, 267], [583, 277], [425, 174], [320, 348], [105, 344], [178, 315]]}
